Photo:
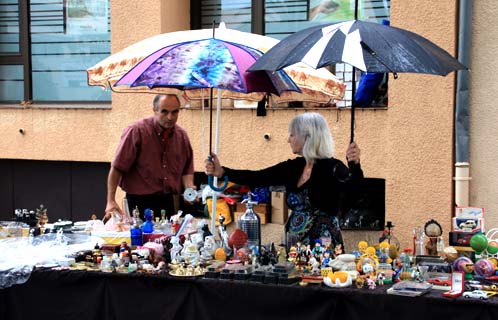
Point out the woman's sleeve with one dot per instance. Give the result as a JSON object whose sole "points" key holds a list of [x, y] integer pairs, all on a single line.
{"points": [[279, 174]]}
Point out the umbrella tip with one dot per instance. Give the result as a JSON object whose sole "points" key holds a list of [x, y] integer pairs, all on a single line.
{"points": [[222, 25]]}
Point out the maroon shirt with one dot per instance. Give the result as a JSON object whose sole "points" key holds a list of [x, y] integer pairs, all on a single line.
{"points": [[151, 163]]}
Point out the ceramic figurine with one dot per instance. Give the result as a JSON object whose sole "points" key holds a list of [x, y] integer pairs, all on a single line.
{"points": [[176, 248], [380, 278], [371, 283], [326, 259]]}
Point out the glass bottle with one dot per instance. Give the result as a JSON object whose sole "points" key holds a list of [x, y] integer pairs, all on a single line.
{"points": [[250, 223], [136, 235], [148, 225]]}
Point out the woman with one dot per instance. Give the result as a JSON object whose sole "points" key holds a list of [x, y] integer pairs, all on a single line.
{"points": [[315, 182]]}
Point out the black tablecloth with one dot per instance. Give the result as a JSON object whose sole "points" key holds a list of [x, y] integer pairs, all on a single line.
{"points": [[50, 294]]}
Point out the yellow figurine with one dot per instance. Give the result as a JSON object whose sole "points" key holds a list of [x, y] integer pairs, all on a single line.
{"points": [[384, 252], [368, 262], [362, 246]]}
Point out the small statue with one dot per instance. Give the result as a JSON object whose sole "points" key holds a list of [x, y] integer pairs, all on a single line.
{"points": [[360, 282], [326, 259], [315, 265], [380, 278], [318, 250], [176, 247], [41, 215], [370, 283], [281, 254], [208, 248], [222, 232]]}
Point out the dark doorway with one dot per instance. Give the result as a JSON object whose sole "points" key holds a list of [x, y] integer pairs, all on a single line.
{"points": [[69, 190]]}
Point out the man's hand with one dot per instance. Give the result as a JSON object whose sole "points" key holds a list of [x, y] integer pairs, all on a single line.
{"points": [[112, 206]]}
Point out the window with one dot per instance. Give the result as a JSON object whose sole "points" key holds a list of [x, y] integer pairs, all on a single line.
{"points": [[46, 47], [280, 18]]}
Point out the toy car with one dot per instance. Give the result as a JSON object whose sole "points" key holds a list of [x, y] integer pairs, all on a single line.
{"points": [[469, 225], [476, 294], [440, 282]]}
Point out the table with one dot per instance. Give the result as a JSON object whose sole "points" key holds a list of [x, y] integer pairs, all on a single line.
{"points": [[65, 294]]}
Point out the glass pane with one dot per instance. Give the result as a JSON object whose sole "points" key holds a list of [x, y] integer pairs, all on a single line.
{"points": [[283, 18], [11, 83], [9, 27], [67, 37], [235, 13]]}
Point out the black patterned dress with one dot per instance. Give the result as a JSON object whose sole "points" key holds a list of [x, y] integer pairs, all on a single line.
{"points": [[308, 224]]}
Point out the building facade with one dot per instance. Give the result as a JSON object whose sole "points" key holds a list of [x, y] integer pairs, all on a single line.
{"points": [[410, 143]]}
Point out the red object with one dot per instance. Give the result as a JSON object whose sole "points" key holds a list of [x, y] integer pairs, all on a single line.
{"points": [[440, 282], [457, 285], [237, 239]]}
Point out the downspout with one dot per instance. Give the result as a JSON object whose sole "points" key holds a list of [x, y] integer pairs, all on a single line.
{"points": [[462, 107]]}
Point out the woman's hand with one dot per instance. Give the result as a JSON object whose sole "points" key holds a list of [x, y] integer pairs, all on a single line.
{"points": [[213, 166], [353, 153]]}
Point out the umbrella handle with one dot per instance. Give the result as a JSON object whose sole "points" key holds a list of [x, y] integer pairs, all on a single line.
{"points": [[210, 180], [210, 183]]}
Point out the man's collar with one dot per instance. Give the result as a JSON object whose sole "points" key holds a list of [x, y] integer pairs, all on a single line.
{"points": [[160, 129]]}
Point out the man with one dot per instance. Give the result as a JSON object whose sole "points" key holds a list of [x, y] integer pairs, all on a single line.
{"points": [[153, 161]]}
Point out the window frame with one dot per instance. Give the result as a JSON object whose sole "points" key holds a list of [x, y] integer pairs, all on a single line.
{"points": [[23, 58]]}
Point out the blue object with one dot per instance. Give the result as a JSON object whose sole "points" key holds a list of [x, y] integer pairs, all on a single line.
{"points": [[368, 89], [259, 194], [148, 226], [136, 236]]}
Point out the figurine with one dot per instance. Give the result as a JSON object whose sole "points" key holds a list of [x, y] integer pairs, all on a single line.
{"points": [[360, 282], [315, 265], [292, 254], [380, 278], [326, 259], [176, 248], [338, 250], [208, 248], [317, 250], [384, 252], [205, 231], [370, 283], [281, 254]]}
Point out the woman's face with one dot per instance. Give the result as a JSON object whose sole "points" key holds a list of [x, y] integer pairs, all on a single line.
{"points": [[296, 143]]}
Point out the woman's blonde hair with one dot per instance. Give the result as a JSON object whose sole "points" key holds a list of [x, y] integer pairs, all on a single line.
{"points": [[313, 129]]}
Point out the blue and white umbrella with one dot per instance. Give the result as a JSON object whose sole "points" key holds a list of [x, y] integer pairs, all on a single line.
{"points": [[368, 46]]}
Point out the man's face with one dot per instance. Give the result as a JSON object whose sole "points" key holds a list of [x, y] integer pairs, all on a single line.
{"points": [[167, 111]]}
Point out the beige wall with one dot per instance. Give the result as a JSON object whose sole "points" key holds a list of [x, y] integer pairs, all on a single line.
{"points": [[410, 144], [484, 110]]}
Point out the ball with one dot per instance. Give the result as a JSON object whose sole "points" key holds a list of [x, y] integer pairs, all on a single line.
{"points": [[492, 247], [484, 268], [460, 263], [479, 242]]}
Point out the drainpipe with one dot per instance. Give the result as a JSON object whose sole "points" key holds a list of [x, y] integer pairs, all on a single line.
{"points": [[462, 108]]}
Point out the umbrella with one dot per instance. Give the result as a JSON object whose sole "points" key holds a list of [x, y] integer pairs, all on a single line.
{"points": [[206, 63], [368, 46], [318, 86]]}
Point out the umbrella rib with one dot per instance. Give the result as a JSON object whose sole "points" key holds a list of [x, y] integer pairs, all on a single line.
{"points": [[374, 54]]}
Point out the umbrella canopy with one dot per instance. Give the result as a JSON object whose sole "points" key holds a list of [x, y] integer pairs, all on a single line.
{"points": [[368, 46], [206, 63], [318, 86]]}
